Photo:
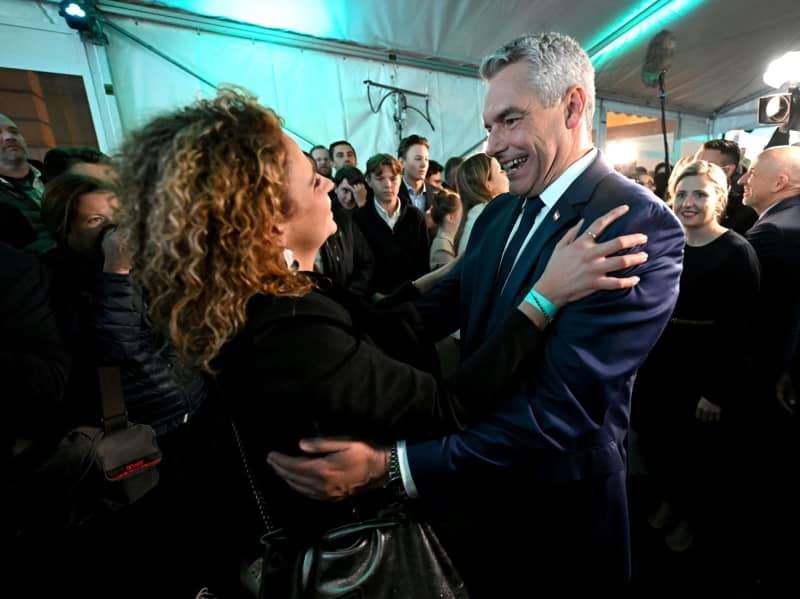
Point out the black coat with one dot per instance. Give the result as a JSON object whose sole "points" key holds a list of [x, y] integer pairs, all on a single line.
{"points": [[100, 316], [776, 240], [346, 256], [155, 392], [401, 254], [304, 367], [33, 361]]}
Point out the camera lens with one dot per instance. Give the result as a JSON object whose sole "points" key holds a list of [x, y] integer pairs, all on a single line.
{"points": [[777, 108]]}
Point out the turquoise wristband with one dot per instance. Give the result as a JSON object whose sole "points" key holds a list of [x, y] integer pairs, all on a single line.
{"points": [[541, 303]]}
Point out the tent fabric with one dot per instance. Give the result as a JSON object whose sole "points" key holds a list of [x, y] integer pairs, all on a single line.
{"points": [[722, 47], [321, 97], [722, 50]]}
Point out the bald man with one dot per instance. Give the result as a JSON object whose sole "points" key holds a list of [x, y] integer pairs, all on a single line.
{"points": [[20, 183], [772, 189]]}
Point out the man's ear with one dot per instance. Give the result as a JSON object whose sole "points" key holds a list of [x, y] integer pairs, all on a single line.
{"points": [[575, 106], [781, 182]]}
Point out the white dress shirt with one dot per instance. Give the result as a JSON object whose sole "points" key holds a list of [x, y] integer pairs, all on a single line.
{"points": [[389, 220]]}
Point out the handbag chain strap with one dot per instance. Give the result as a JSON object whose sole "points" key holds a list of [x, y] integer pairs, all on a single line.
{"points": [[262, 508]]}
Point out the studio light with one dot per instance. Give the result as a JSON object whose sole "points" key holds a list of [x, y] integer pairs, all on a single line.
{"points": [[782, 109], [82, 16], [784, 70]]}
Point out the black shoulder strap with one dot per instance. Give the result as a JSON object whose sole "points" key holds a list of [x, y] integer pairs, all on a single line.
{"points": [[115, 416]]}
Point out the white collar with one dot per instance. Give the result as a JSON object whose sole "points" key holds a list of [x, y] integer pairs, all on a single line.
{"points": [[556, 189]]}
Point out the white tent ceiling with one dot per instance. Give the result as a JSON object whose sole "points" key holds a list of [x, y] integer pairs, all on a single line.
{"points": [[722, 46], [308, 59]]}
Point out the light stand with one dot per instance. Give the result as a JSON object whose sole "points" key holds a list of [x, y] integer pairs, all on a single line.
{"points": [[401, 105], [662, 94]]}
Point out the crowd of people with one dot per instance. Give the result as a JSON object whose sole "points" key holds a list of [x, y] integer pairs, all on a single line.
{"points": [[477, 340]]}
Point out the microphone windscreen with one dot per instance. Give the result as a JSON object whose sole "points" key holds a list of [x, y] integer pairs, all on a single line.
{"points": [[659, 57]]}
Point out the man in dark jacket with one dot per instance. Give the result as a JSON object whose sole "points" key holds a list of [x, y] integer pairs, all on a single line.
{"points": [[395, 230], [772, 429], [20, 183], [346, 257]]}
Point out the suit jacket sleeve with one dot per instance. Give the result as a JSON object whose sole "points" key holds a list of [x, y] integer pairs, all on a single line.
{"points": [[572, 414], [777, 312], [347, 385], [731, 350], [363, 263], [436, 307]]}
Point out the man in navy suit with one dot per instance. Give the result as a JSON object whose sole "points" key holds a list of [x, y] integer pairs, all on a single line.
{"points": [[772, 189], [545, 471]]}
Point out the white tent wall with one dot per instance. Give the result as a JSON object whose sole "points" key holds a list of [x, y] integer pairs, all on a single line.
{"points": [[320, 96], [34, 37]]}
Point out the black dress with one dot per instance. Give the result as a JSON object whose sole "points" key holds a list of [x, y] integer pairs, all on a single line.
{"points": [[705, 351]]}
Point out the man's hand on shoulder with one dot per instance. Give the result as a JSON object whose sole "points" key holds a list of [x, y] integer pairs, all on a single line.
{"points": [[336, 468]]}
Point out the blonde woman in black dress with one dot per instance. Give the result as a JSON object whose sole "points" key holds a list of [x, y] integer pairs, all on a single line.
{"points": [[691, 384]]}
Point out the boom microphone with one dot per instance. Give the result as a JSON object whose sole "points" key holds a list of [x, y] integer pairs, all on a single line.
{"points": [[659, 57]]}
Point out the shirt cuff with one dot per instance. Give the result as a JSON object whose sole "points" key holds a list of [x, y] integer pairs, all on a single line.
{"points": [[405, 471]]}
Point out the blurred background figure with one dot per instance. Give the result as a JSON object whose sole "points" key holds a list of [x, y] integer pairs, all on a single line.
{"points": [[322, 161], [78, 161], [450, 170], [446, 212], [21, 183], [434, 177], [480, 180]]}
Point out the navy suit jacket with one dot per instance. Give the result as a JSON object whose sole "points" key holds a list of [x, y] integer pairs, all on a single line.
{"points": [[548, 466], [776, 239], [569, 417]]}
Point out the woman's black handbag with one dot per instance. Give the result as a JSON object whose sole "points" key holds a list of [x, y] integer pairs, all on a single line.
{"points": [[394, 555]]}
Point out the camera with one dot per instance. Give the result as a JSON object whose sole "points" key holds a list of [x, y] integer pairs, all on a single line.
{"points": [[782, 110]]}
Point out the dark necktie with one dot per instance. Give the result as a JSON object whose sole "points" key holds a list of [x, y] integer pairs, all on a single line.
{"points": [[529, 212]]}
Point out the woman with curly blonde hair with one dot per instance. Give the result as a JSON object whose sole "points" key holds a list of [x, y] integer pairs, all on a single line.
{"points": [[225, 217]]}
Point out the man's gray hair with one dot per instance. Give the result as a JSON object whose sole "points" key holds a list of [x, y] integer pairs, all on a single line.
{"points": [[557, 62]]}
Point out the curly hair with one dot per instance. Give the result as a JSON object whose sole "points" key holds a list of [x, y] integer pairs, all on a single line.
{"points": [[203, 191]]}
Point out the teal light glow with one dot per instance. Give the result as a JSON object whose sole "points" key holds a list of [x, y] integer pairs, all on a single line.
{"points": [[312, 18], [641, 21]]}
